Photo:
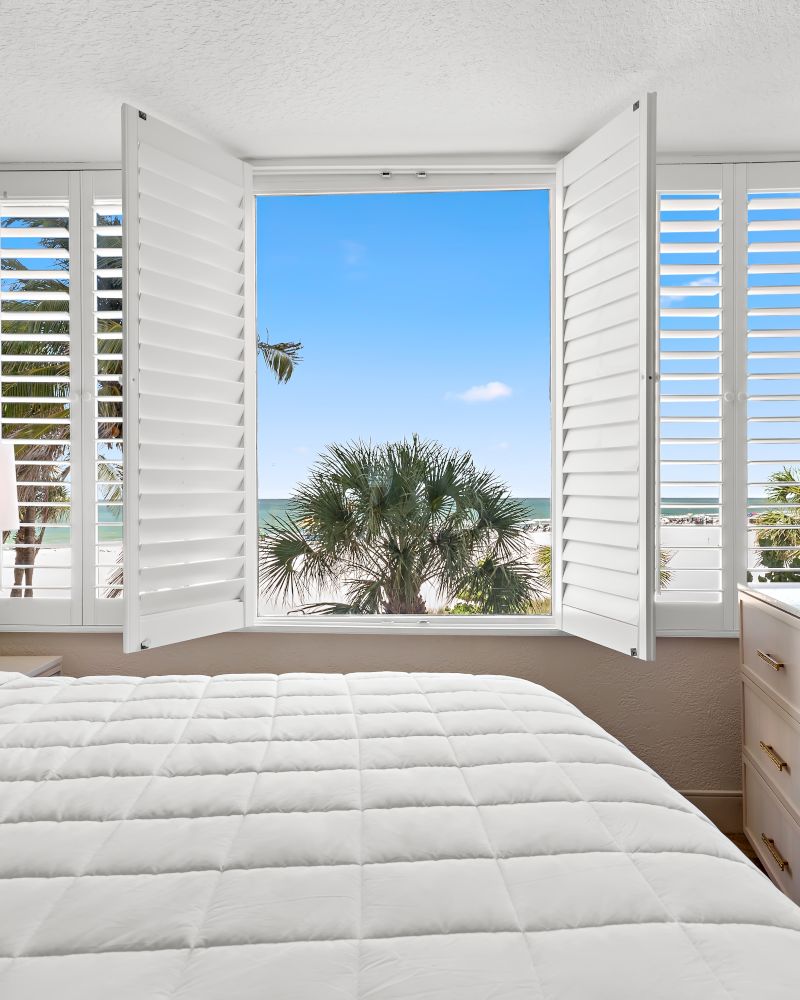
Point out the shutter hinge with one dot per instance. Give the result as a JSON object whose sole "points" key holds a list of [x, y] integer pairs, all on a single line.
{"points": [[143, 116], [635, 106], [633, 651], [144, 644]]}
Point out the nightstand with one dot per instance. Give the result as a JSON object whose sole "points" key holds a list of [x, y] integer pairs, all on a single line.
{"points": [[31, 666]]}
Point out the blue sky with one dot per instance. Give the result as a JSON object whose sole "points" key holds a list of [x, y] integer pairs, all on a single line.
{"points": [[426, 313]]}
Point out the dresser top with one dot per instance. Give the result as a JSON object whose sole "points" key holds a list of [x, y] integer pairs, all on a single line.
{"points": [[784, 598]]}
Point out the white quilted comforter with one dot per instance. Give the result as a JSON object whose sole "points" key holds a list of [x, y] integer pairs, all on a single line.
{"points": [[374, 836]]}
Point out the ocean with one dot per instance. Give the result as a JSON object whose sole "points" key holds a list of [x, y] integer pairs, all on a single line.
{"points": [[268, 508], [538, 507]]}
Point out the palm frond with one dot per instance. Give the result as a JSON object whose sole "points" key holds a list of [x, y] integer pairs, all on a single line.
{"points": [[281, 358], [378, 523]]}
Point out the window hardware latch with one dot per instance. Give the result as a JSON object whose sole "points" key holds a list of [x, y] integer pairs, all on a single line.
{"points": [[143, 116], [144, 644], [633, 651], [635, 105]]}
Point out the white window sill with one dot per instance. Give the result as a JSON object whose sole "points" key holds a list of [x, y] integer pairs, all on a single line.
{"points": [[383, 625], [389, 627]]}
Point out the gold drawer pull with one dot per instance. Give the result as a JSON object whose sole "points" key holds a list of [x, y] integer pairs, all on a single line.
{"points": [[769, 750], [780, 861], [775, 664]]}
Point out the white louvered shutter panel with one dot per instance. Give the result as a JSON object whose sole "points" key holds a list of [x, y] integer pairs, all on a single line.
{"points": [[38, 343], [697, 386], [605, 371], [188, 513], [106, 440], [773, 373]]}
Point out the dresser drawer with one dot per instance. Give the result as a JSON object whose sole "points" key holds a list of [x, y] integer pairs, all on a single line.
{"points": [[765, 817], [771, 649], [772, 738]]}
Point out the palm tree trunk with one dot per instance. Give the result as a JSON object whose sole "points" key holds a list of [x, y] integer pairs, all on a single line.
{"points": [[23, 574], [397, 606]]}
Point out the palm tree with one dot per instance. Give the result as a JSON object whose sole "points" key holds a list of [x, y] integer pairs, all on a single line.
{"points": [[778, 534], [382, 522]]}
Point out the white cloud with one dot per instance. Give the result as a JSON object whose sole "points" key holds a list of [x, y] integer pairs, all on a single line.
{"points": [[673, 292], [354, 253], [482, 393]]}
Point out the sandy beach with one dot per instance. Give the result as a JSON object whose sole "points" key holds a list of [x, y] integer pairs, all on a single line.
{"points": [[538, 536], [689, 543], [51, 574]]}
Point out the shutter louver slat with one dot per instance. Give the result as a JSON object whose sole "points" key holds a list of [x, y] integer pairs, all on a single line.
{"points": [[601, 198], [603, 245], [186, 206], [605, 385], [606, 220]]}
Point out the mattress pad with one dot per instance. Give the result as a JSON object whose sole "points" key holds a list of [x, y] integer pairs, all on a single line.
{"points": [[367, 836]]}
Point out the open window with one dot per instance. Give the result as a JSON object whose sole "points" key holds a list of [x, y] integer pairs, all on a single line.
{"points": [[191, 510], [405, 357]]}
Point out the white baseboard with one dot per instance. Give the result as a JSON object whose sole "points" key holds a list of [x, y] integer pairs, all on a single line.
{"points": [[723, 808]]}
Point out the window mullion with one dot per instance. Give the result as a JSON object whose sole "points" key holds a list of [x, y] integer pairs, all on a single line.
{"points": [[77, 352], [736, 210], [88, 390]]}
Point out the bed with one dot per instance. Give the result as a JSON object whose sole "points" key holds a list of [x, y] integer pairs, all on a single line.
{"points": [[382, 836]]}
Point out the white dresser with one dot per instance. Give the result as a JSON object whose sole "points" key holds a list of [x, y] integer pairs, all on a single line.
{"points": [[769, 630]]}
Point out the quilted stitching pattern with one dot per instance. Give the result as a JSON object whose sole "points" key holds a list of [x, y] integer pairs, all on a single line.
{"points": [[382, 836]]}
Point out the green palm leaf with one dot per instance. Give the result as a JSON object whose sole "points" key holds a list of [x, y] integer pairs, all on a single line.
{"points": [[379, 523]]}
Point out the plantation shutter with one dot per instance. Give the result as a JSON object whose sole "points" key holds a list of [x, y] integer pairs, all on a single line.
{"points": [[772, 371], [39, 398], [605, 375], [697, 392], [188, 425]]}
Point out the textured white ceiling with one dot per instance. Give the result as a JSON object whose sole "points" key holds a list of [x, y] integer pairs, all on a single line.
{"points": [[278, 78]]}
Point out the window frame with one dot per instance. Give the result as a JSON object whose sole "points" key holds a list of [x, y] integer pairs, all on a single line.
{"points": [[82, 610], [404, 176]]}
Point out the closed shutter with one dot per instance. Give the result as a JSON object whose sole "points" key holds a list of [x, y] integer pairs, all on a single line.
{"points": [[37, 344], [773, 373], [605, 368], [104, 445], [697, 387], [189, 506]]}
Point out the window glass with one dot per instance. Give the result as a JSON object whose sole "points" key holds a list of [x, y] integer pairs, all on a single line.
{"points": [[404, 406]]}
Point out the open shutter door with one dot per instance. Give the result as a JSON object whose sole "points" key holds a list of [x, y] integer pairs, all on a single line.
{"points": [[605, 384], [188, 424]]}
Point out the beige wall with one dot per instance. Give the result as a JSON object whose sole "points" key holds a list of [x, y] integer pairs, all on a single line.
{"points": [[681, 714]]}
